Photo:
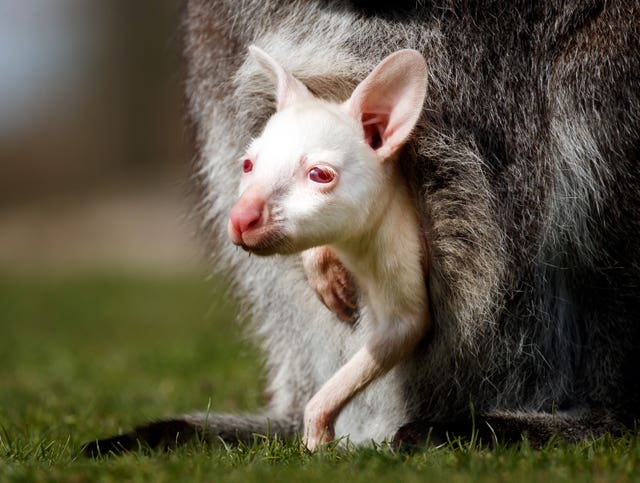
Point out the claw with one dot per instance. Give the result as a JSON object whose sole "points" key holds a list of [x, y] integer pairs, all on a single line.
{"points": [[330, 280]]}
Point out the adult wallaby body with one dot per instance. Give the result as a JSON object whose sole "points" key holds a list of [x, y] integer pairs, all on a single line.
{"points": [[525, 168]]}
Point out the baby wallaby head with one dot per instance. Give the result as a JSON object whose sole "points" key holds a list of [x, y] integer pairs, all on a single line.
{"points": [[319, 171]]}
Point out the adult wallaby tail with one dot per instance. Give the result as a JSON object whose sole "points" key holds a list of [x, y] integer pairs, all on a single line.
{"points": [[209, 428]]}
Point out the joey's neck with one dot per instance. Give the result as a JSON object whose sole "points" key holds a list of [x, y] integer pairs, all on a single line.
{"points": [[391, 223]]}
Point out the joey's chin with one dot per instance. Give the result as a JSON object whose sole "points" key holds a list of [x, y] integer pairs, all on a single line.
{"points": [[259, 250], [264, 242]]}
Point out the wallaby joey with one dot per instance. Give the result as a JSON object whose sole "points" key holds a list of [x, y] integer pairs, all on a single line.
{"points": [[324, 178]]}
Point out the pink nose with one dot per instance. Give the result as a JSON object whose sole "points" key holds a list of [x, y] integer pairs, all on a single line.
{"points": [[246, 214]]}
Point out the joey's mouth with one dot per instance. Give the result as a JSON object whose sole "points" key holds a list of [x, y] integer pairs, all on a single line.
{"points": [[264, 241]]}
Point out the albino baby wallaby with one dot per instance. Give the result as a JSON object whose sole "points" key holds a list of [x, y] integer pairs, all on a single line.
{"points": [[325, 175]]}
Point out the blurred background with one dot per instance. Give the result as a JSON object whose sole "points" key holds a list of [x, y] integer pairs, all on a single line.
{"points": [[107, 316], [93, 163]]}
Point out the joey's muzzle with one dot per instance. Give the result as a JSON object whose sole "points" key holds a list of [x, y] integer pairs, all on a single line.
{"points": [[247, 215]]}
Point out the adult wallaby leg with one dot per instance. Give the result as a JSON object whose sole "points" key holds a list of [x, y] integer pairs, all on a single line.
{"points": [[210, 428]]}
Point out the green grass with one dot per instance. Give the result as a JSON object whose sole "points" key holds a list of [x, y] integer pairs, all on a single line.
{"points": [[82, 357]]}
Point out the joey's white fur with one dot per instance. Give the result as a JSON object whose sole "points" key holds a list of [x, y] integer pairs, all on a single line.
{"points": [[324, 175]]}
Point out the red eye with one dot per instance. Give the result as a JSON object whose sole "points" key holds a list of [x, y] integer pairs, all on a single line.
{"points": [[322, 175], [247, 165]]}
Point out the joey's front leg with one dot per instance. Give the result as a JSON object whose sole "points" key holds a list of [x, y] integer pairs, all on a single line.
{"points": [[331, 281], [387, 347], [323, 409]]}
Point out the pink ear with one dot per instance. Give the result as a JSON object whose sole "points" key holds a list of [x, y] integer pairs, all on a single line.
{"points": [[389, 101], [288, 88]]}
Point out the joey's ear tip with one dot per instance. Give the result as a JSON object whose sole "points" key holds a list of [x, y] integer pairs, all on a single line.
{"points": [[415, 58], [408, 54], [288, 88]]}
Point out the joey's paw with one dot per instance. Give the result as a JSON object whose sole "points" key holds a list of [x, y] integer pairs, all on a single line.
{"points": [[331, 282], [317, 436], [313, 442], [319, 426]]}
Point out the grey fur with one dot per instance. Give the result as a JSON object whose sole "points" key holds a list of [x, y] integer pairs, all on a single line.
{"points": [[526, 172]]}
